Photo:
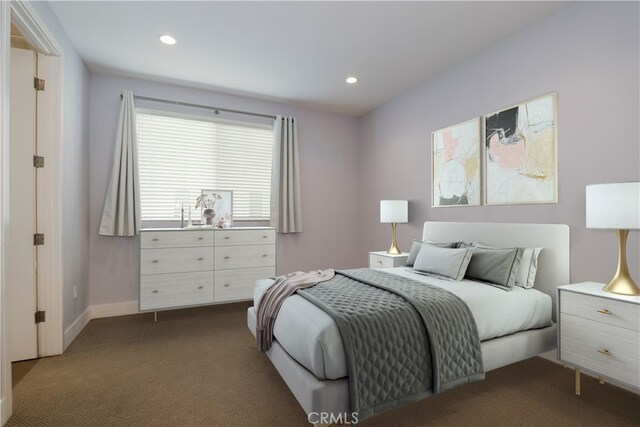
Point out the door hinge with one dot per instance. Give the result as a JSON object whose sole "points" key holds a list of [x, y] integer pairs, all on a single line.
{"points": [[38, 161], [38, 239], [39, 316], [38, 84]]}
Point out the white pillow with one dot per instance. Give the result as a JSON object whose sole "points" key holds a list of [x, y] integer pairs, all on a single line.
{"points": [[446, 262], [526, 275]]}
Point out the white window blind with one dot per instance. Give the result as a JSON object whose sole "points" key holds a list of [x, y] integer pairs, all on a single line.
{"points": [[181, 155]]}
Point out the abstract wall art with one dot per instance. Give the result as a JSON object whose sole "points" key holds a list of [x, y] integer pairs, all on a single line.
{"points": [[455, 154], [520, 160]]}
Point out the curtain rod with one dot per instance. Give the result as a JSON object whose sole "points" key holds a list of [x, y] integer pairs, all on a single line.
{"points": [[207, 107]]}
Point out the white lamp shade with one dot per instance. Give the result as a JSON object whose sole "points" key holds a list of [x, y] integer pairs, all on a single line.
{"points": [[394, 211], [614, 206]]}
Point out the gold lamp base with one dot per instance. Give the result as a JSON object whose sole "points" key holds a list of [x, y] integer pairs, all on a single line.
{"points": [[622, 283], [394, 249]]}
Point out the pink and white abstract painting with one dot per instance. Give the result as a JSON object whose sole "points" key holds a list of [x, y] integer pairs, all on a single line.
{"points": [[520, 153], [455, 153]]}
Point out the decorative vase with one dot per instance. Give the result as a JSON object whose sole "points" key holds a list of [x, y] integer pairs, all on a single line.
{"points": [[208, 215]]}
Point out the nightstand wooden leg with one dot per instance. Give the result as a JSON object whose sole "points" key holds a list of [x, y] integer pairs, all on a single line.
{"points": [[577, 382], [601, 380]]}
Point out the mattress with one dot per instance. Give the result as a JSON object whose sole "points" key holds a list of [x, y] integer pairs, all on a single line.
{"points": [[311, 337]]}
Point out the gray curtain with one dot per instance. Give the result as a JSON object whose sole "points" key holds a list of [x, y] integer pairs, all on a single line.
{"points": [[286, 210], [121, 212]]}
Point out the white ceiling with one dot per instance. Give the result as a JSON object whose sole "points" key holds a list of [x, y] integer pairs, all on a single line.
{"points": [[298, 52]]}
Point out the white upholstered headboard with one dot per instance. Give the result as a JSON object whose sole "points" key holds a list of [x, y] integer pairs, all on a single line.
{"points": [[553, 262]]}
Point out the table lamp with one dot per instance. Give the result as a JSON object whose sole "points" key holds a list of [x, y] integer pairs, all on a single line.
{"points": [[394, 212], [616, 207]]}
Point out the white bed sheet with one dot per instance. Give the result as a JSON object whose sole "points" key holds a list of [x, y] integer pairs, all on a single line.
{"points": [[312, 338]]}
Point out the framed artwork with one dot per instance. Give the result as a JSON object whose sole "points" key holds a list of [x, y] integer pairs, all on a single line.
{"points": [[520, 153], [455, 165], [216, 207]]}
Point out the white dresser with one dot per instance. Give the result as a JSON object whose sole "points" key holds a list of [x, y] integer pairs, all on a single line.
{"points": [[194, 266], [599, 332]]}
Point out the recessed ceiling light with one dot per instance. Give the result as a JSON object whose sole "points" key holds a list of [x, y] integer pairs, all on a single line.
{"points": [[167, 39], [352, 80]]}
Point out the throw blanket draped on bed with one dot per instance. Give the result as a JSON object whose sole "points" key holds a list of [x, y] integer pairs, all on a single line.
{"points": [[272, 300], [404, 340]]}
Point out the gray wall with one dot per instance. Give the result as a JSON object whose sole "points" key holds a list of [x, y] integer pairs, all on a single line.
{"points": [[328, 155], [74, 158], [589, 54]]}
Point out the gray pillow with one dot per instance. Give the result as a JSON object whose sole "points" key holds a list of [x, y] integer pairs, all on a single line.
{"points": [[526, 275], [443, 261], [417, 244], [495, 265]]}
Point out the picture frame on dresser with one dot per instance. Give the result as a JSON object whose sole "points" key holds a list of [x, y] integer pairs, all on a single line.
{"points": [[216, 208]]}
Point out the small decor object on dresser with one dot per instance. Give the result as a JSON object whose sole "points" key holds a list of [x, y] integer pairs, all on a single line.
{"points": [[599, 332], [216, 207], [455, 159], [520, 153]]}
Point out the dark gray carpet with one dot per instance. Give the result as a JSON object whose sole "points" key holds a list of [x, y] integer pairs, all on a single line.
{"points": [[198, 367]]}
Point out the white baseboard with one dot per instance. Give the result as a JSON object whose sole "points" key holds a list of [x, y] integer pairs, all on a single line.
{"points": [[112, 310], [551, 355], [6, 410], [76, 327], [97, 312]]}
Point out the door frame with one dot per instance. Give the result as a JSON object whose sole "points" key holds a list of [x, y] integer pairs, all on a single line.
{"points": [[50, 332]]}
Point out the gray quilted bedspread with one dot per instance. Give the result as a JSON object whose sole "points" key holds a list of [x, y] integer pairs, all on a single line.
{"points": [[404, 340]]}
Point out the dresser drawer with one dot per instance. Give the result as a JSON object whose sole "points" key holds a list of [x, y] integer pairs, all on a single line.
{"points": [[230, 257], [231, 285], [602, 348], [380, 261], [245, 237], [175, 260], [175, 289], [176, 239], [605, 310]]}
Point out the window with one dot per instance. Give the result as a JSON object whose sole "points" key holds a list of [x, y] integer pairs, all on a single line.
{"points": [[180, 155]]}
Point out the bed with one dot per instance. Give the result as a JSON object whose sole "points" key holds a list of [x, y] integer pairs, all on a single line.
{"points": [[307, 350]]}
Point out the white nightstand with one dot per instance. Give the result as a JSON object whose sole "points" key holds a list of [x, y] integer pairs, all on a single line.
{"points": [[384, 260], [599, 332]]}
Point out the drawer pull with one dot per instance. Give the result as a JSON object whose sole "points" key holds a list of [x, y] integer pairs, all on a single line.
{"points": [[379, 262], [605, 352], [265, 255], [226, 285], [200, 287], [604, 311], [200, 238], [265, 237], [155, 291], [155, 240], [227, 257], [227, 237], [154, 261], [200, 259]]}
